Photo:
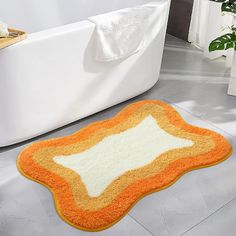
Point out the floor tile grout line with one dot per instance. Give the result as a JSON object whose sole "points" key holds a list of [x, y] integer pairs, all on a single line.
{"points": [[141, 225], [200, 118], [213, 213]]}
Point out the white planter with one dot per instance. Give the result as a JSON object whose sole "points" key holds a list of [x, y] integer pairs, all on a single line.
{"points": [[208, 23], [232, 82], [215, 27]]}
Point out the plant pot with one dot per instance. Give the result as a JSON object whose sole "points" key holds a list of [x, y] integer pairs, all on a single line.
{"points": [[232, 82], [215, 27]]}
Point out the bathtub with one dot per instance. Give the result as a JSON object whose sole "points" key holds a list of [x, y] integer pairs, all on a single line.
{"points": [[51, 79]]}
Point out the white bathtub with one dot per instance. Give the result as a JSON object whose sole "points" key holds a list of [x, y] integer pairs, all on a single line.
{"points": [[51, 79]]}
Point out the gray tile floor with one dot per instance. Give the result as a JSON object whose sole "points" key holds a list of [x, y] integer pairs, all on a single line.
{"points": [[202, 202]]}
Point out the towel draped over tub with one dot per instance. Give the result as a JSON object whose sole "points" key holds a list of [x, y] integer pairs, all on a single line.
{"points": [[122, 33]]}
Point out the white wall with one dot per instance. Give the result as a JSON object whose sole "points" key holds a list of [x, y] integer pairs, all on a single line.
{"points": [[37, 15]]}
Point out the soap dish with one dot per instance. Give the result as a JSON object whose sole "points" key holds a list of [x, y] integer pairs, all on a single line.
{"points": [[14, 37]]}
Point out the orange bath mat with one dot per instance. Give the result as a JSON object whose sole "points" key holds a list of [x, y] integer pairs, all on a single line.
{"points": [[97, 174]]}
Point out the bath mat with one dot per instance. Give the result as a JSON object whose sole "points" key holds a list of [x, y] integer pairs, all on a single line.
{"points": [[97, 174]]}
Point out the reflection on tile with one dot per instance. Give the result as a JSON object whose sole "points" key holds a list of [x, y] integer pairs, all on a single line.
{"points": [[20, 207], [174, 42], [218, 224], [192, 60], [207, 100]]}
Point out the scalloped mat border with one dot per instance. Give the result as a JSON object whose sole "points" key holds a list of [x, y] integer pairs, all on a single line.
{"points": [[131, 206], [178, 176]]}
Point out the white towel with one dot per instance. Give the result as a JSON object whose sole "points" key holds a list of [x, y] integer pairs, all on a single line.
{"points": [[122, 33]]}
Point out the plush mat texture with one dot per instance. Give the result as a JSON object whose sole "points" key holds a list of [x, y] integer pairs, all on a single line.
{"points": [[97, 174]]}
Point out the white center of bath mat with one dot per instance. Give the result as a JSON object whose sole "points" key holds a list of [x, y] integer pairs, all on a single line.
{"points": [[114, 155]]}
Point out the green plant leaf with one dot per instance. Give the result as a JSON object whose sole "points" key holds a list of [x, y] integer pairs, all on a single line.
{"points": [[223, 42], [229, 6]]}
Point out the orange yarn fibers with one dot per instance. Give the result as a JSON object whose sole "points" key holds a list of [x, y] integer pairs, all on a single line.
{"points": [[72, 200]]}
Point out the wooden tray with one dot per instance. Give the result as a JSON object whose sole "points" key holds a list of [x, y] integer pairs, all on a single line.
{"points": [[5, 42]]}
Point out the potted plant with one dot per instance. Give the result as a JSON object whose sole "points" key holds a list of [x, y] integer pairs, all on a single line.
{"points": [[227, 41]]}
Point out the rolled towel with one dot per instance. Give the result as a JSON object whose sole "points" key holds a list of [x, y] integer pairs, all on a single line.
{"points": [[3, 30], [122, 33]]}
